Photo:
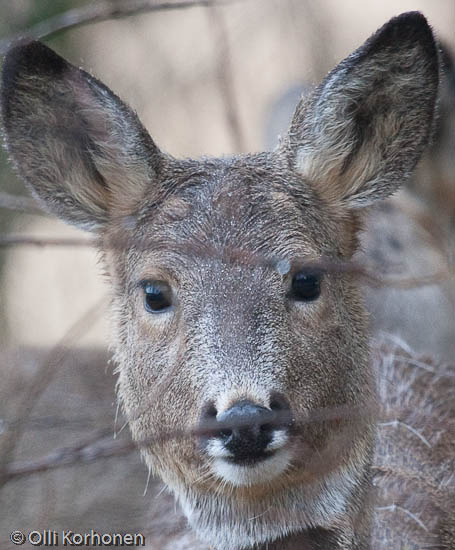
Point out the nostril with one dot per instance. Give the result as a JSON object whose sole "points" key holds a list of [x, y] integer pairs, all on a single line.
{"points": [[209, 411], [275, 405], [207, 421], [279, 403], [225, 433], [281, 409], [266, 428]]}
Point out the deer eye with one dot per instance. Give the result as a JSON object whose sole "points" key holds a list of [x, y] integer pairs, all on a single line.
{"points": [[306, 286], [157, 296]]}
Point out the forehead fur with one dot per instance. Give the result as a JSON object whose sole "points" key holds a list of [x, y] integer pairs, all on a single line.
{"points": [[251, 203]]}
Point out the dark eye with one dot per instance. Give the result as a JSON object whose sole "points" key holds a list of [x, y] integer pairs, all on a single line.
{"points": [[157, 296], [306, 286]]}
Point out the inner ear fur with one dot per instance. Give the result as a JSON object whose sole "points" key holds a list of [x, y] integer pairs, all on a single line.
{"points": [[83, 151], [361, 133]]}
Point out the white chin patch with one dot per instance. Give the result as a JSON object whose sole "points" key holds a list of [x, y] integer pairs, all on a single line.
{"points": [[244, 476]]}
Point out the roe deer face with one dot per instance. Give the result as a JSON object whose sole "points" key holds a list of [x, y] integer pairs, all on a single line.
{"points": [[226, 320], [227, 324]]}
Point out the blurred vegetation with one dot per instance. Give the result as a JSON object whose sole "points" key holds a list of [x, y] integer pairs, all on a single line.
{"points": [[17, 16]]}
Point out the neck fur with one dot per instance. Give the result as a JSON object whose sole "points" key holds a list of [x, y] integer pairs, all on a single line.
{"points": [[288, 518]]}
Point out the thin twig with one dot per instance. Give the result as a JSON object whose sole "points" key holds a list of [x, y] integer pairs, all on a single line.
{"points": [[30, 240], [245, 258], [395, 508], [95, 12], [41, 379], [225, 76], [21, 204], [96, 446], [102, 445]]}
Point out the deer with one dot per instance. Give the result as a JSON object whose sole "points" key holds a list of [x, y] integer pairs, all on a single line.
{"points": [[237, 323]]}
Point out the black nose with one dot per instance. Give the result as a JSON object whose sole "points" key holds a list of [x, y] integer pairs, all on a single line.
{"points": [[246, 429]]}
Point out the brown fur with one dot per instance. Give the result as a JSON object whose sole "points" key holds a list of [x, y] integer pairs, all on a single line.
{"points": [[219, 231]]}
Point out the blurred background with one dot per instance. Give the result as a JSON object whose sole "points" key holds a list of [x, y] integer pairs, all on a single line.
{"points": [[204, 81]]}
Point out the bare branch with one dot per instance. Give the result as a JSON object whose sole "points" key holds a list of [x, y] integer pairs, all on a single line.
{"points": [[102, 445], [7, 241], [95, 12], [225, 77], [96, 446], [241, 257], [43, 375], [22, 204]]}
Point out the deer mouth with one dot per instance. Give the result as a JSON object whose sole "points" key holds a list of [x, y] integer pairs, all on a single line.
{"points": [[252, 472], [244, 462], [250, 459]]}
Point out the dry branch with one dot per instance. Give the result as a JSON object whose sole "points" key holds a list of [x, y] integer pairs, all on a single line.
{"points": [[325, 265], [7, 241], [95, 12], [224, 71], [21, 204], [41, 379], [96, 446], [102, 445]]}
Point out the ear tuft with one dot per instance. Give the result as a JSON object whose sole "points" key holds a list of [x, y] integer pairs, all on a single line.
{"points": [[33, 57], [406, 29]]}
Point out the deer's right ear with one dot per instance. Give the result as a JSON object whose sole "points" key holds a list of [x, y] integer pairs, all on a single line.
{"points": [[84, 152], [360, 135]]}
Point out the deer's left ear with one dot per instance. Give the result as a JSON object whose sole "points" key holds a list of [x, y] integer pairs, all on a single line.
{"points": [[363, 130]]}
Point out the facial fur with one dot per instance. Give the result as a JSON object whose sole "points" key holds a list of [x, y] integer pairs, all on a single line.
{"points": [[233, 333]]}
